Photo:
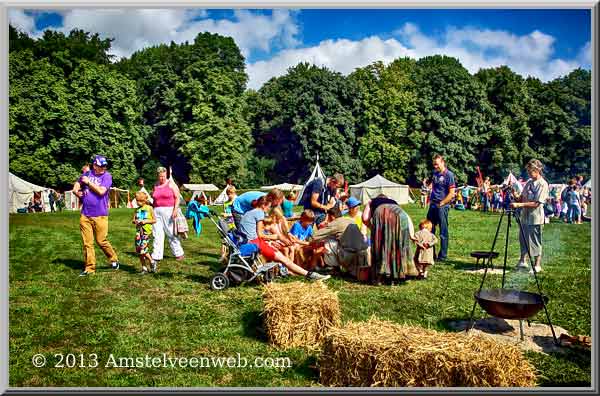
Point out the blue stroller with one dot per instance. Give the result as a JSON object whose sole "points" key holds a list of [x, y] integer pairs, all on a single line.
{"points": [[243, 263]]}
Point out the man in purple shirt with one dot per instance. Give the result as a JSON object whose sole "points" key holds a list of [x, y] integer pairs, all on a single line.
{"points": [[93, 222]]}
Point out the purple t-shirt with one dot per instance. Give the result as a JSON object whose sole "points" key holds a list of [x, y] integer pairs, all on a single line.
{"points": [[93, 204]]}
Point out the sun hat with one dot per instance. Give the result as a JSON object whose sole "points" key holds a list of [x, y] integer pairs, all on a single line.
{"points": [[100, 160], [352, 202]]}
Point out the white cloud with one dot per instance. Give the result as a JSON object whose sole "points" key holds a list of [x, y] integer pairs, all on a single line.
{"points": [[134, 29], [339, 55], [528, 55], [22, 21], [585, 55]]}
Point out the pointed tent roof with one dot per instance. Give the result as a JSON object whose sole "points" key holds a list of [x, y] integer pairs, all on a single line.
{"points": [[510, 179], [222, 198], [377, 181], [317, 173], [588, 184]]}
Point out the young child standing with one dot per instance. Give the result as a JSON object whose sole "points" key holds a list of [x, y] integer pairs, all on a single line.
{"points": [[424, 239], [143, 218]]}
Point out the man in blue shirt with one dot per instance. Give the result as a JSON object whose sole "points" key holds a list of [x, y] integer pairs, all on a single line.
{"points": [[320, 197], [442, 193]]}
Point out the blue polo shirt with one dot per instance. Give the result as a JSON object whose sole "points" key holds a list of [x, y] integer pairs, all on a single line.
{"points": [[243, 203], [442, 183]]}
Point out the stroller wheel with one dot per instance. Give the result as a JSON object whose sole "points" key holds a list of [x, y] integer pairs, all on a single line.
{"points": [[219, 281]]}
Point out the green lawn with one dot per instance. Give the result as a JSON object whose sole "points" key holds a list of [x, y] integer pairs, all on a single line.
{"points": [[53, 311]]}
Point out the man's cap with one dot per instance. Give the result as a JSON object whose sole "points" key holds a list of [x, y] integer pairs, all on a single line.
{"points": [[100, 160]]}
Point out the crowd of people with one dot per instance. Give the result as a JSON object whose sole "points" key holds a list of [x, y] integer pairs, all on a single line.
{"points": [[567, 202], [334, 234]]}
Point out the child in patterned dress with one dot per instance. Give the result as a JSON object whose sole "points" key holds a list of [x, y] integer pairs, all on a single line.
{"points": [[143, 218]]}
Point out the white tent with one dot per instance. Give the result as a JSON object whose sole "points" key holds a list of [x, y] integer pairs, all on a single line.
{"points": [[283, 187], [20, 193], [378, 184], [588, 184], [510, 179], [200, 189], [71, 201], [222, 198], [316, 173]]}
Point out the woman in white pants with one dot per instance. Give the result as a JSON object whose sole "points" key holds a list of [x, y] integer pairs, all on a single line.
{"points": [[166, 203]]}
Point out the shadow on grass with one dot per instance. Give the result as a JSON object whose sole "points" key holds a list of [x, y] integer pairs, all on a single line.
{"points": [[79, 266], [253, 324], [201, 279], [308, 368]]}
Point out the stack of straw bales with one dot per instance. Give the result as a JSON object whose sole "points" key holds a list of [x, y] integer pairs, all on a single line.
{"points": [[299, 314], [380, 353]]}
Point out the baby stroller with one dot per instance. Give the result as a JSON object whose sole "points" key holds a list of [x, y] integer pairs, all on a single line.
{"points": [[243, 262]]}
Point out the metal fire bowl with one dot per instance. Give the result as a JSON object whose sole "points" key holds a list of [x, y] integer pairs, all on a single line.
{"points": [[510, 304]]}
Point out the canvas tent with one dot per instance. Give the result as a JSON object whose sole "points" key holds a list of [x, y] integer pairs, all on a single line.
{"points": [[283, 187], [510, 179], [20, 193], [378, 184], [588, 184], [200, 189], [71, 201], [316, 173], [222, 198]]}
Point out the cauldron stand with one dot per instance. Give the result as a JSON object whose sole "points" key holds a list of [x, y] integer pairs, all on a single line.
{"points": [[510, 214]]}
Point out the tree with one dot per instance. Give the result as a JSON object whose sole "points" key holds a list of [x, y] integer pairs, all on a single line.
{"points": [[507, 144], [387, 118], [559, 122], [56, 124], [456, 115], [193, 103], [306, 112]]}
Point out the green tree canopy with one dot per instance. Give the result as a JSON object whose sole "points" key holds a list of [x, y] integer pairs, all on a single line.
{"points": [[306, 112]]}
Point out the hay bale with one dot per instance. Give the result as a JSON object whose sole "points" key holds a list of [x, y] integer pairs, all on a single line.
{"points": [[299, 314], [380, 353]]}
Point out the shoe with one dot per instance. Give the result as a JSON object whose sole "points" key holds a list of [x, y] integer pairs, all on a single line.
{"points": [[310, 275], [86, 273], [153, 266], [522, 265], [180, 258], [537, 268], [115, 265], [144, 272], [441, 259]]}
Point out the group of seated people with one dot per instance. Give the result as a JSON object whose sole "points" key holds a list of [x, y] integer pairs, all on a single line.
{"points": [[341, 240]]}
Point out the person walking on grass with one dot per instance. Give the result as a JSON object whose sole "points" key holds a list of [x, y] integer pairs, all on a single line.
{"points": [[442, 193], [532, 199], [166, 203], [93, 222]]}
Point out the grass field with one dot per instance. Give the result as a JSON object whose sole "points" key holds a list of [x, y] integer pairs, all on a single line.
{"points": [[53, 311]]}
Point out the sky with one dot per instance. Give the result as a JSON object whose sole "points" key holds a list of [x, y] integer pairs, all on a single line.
{"points": [[541, 43]]}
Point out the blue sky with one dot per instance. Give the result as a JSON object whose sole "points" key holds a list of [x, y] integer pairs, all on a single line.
{"points": [[541, 43]]}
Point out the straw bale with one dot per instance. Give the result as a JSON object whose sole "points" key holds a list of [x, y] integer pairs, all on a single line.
{"points": [[299, 314], [381, 353]]}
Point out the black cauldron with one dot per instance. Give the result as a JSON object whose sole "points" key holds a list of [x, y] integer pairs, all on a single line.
{"points": [[509, 303]]}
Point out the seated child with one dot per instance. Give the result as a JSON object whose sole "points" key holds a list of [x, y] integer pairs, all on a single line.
{"points": [[424, 239], [300, 232], [273, 225], [143, 218]]}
